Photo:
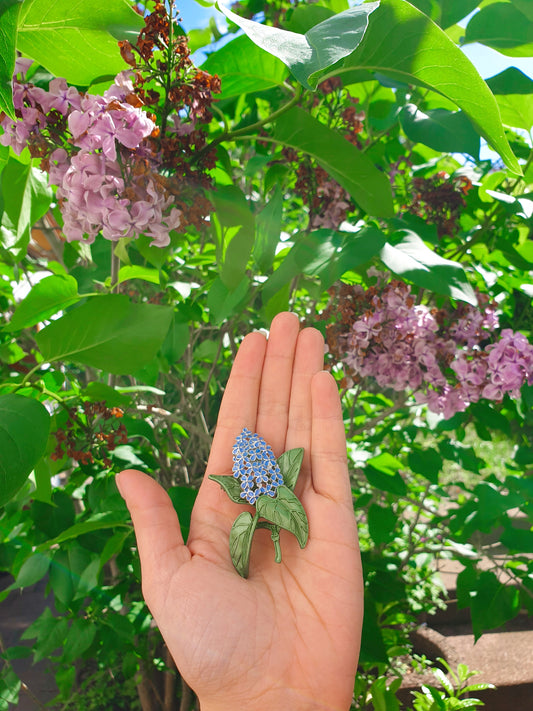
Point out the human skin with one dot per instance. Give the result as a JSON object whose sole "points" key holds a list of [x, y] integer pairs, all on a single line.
{"points": [[287, 637]]}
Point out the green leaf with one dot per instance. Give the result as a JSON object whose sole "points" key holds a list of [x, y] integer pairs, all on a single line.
{"points": [[426, 462], [240, 542], [411, 259], [381, 523], [24, 425], [454, 10], [373, 648], [290, 463], [27, 197], [135, 271], [358, 248], [50, 631], [32, 570], [98, 522], [268, 230], [61, 35], [307, 56], [223, 302], [517, 540], [514, 94], [230, 485], [61, 578], [346, 164], [491, 603], [100, 391], [235, 230], [47, 297], [503, 27], [386, 480], [79, 638], [243, 67], [9, 12], [183, 499], [114, 545], [463, 455], [312, 254], [43, 483], [425, 55], [177, 340], [444, 131], [286, 511], [304, 17], [525, 7], [54, 517], [107, 332]]}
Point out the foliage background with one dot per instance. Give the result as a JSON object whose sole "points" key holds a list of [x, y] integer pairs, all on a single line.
{"points": [[324, 165]]}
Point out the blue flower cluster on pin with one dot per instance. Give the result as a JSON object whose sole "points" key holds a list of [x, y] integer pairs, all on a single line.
{"points": [[255, 466]]}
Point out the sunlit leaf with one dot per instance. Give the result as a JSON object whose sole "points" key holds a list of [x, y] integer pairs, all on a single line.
{"points": [[24, 425], [403, 43]]}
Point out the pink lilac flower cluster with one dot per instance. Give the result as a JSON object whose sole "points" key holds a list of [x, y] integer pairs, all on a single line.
{"points": [[95, 152], [446, 358]]}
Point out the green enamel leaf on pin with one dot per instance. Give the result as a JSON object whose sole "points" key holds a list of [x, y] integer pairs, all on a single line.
{"points": [[240, 542], [286, 511], [289, 464], [230, 485]]}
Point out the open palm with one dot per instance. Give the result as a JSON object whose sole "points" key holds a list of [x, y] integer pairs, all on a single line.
{"points": [[288, 636]]}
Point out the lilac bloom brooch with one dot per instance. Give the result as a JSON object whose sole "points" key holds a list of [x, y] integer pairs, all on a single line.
{"points": [[267, 483]]}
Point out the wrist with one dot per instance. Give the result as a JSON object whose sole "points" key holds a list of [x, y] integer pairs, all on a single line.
{"points": [[276, 700]]}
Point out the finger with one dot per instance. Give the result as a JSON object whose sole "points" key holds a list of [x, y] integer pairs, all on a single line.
{"points": [[214, 512], [275, 393], [328, 441], [157, 531], [308, 360]]}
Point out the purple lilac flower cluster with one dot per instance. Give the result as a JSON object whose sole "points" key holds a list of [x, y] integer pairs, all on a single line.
{"points": [[255, 466], [95, 152], [447, 358]]}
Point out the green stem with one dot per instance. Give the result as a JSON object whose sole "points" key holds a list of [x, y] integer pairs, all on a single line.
{"points": [[29, 374], [115, 268], [275, 539], [243, 132], [274, 534]]}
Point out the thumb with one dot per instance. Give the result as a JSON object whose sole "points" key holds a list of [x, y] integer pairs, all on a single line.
{"points": [[157, 530]]}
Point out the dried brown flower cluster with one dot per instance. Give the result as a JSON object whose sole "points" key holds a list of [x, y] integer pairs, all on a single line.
{"points": [[180, 96], [439, 200], [328, 202], [90, 433]]}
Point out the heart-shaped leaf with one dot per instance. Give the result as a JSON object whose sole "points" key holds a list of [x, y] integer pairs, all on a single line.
{"points": [[346, 164], [404, 44], [289, 464], [107, 332], [308, 55], [49, 296], [231, 486], [61, 35], [24, 425], [9, 12], [240, 542], [411, 259], [286, 511]]}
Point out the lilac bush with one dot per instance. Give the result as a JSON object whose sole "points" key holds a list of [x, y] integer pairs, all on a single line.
{"points": [[447, 358], [95, 151]]}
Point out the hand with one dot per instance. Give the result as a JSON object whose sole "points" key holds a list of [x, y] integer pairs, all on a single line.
{"points": [[287, 638]]}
